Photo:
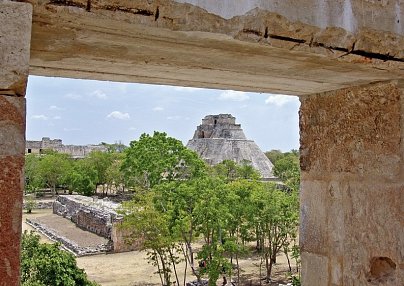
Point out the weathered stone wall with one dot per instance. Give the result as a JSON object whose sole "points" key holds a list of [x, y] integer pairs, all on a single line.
{"points": [[118, 240], [97, 216], [15, 34], [352, 192], [351, 15], [76, 151], [86, 213]]}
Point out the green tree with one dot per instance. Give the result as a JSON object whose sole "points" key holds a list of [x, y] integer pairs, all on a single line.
{"points": [[29, 203], [177, 200], [33, 179], [274, 155], [212, 215], [100, 162], [114, 175], [276, 222], [287, 169], [157, 158], [143, 220], [47, 265], [81, 178], [52, 169], [245, 170], [229, 170]]}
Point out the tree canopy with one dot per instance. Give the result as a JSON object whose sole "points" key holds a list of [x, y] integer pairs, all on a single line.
{"points": [[157, 158], [45, 264], [226, 206]]}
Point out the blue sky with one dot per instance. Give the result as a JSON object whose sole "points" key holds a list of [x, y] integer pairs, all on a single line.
{"points": [[89, 112]]}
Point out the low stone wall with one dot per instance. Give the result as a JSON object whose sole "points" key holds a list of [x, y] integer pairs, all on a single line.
{"points": [[67, 243], [90, 214], [97, 216]]}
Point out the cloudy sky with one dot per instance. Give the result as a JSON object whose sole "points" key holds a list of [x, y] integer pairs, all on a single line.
{"points": [[90, 112]]}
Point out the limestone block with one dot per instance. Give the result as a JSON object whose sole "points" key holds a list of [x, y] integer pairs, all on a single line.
{"points": [[358, 225], [373, 42], [313, 217], [334, 37], [314, 269], [15, 37], [354, 130], [12, 125], [374, 237]]}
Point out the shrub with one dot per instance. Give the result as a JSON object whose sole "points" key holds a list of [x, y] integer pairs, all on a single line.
{"points": [[44, 264]]}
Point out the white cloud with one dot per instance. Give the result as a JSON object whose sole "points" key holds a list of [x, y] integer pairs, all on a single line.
{"points": [[54, 107], [132, 128], [158, 108], [39, 117], [119, 115], [57, 117], [280, 99], [233, 95], [98, 94]]}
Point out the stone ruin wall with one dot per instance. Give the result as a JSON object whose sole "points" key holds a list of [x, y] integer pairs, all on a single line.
{"points": [[76, 151], [219, 138], [96, 216], [219, 126]]}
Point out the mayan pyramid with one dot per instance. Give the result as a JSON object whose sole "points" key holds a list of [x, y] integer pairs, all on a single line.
{"points": [[219, 138]]}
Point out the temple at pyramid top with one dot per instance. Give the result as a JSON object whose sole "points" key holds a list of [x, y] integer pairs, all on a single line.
{"points": [[219, 138]]}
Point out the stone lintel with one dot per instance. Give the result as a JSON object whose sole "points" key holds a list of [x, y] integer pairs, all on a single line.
{"points": [[15, 38]]}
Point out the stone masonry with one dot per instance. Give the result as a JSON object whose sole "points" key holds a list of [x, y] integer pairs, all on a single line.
{"points": [[219, 138], [352, 192], [94, 215], [344, 57], [76, 151], [15, 37]]}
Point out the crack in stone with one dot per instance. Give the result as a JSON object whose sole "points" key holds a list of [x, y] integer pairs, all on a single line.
{"points": [[67, 3], [251, 31], [128, 10], [105, 7], [287, 39], [371, 55]]}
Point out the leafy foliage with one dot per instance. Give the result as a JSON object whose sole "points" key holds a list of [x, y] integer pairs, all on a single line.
{"points": [[52, 170], [30, 203], [47, 265], [274, 155], [286, 167], [229, 170], [227, 207], [154, 159]]}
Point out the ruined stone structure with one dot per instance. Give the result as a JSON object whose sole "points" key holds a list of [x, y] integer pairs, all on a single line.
{"points": [[345, 59], [76, 151], [219, 138], [97, 216]]}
